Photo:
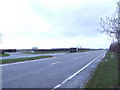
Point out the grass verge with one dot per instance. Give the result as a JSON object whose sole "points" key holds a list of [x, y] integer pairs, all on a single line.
{"points": [[22, 59], [83, 50], [3, 55], [106, 74]]}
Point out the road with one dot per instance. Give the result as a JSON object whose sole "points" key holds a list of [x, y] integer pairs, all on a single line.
{"points": [[21, 55], [63, 71]]}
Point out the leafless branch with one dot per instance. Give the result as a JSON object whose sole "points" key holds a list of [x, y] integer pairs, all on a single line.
{"points": [[110, 26]]}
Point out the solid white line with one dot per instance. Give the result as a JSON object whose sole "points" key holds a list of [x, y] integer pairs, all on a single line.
{"points": [[57, 86], [54, 63], [27, 61], [104, 55]]}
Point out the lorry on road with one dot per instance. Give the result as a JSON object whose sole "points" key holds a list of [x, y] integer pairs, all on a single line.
{"points": [[73, 50]]}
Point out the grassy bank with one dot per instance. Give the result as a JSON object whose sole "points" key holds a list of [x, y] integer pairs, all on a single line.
{"points": [[106, 74], [3, 55], [22, 59]]}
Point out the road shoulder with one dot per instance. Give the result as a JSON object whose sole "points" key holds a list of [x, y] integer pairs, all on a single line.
{"points": [[106, 74]]}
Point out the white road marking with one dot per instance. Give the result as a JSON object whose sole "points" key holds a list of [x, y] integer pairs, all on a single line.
{"points": [[76, 58], [27, 61], [57, 86], [104, 55], [54, 63], [111, 56]]}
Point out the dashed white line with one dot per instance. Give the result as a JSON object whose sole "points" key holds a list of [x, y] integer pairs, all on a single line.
{"points": [[57, 86], [54, 63]]}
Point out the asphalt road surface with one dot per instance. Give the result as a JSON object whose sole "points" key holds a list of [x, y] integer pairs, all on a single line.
{"points": [[64, 71], [21, 55]]}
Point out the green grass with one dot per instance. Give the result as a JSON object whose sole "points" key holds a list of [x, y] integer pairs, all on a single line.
{"points": [[22, 59], [46, 52], [3, 55], [83, 50], [106, 74]]}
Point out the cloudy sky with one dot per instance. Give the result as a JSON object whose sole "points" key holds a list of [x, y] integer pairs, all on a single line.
{"points": [[54, 23]]}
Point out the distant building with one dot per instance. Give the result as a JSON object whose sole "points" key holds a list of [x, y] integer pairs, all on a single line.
{"points": [[35, 49]]}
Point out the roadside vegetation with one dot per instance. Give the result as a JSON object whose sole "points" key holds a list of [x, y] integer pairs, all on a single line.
{"points": [[106, 74], [3, 55], [83, 50], [51, 52], [22, 59]]}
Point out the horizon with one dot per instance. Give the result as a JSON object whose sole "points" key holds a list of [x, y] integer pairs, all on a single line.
{"points": [[52, 48]]}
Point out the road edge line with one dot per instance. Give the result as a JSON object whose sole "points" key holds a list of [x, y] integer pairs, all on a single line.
{"points": [[57, 86]]}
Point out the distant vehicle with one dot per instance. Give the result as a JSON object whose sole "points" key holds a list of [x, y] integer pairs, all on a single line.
{"points": [[73, 50]]}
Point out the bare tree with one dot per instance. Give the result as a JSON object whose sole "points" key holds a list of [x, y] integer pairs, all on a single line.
{"points": [[111, 26]]}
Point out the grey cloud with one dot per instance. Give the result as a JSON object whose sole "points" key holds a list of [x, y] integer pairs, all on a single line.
{"points": [[74, 21]]}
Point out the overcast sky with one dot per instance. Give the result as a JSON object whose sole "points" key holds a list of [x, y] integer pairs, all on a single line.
{"points": [[54, 23]]}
